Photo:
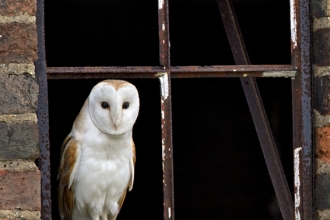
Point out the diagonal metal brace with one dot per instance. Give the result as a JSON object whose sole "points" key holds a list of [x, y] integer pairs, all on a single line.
{"points": [[257, 110]]}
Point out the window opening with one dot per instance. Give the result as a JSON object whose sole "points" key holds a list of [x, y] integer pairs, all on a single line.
{"points": [[86, 58]]}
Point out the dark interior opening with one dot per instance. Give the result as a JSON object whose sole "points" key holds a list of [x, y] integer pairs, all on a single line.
{"points": [[101, 33], [199, 38], [219, 169], [125, 32]]}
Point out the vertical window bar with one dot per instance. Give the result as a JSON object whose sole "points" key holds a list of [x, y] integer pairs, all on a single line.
{"points": [[294, 35], [163, 31], [43, 122], [257, 110], [166, 112], [302, 118]]}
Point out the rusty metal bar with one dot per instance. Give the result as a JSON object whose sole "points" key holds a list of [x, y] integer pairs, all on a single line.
{"points": [[179, 75], [258, 113], [155, 69], [176, 72], [104, 69], [166, 111], [232, 68], [43, 121], [294, 34], [285, 74], [302, 117], [163, 33], [103, 72]]}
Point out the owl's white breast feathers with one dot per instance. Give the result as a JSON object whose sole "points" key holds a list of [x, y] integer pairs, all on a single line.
{"points": [[104, 169]]}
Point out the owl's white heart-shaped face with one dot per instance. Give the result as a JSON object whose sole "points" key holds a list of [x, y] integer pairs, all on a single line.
{"points": [[114, 106]]}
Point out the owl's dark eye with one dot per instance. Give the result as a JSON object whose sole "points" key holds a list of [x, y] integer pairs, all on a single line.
{"points": [[125, 105], [104, 105]]}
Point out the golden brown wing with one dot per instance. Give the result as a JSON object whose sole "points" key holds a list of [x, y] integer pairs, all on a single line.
{"points": [[66, 171]]}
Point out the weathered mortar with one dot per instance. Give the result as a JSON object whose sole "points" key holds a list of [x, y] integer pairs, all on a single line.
{"points": [[19, 215]]}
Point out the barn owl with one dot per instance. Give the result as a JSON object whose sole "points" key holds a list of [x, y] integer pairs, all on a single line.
{"points": [[98, 156]]}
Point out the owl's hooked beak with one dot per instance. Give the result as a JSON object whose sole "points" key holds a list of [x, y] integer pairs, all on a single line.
{"points": [[116, 116]]}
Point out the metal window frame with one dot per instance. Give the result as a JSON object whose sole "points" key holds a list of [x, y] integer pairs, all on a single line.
{"points": [[299, 71]]}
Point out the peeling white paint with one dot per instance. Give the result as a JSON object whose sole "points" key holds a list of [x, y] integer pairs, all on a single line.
{"points": [[169, 212], [163, 153], [286, 74], [163, 27], [297, 182], [293, 22], [160, 4], [163, 77]]}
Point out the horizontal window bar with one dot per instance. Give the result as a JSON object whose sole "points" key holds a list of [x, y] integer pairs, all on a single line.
{"points": [[176, 72], [232, 68]]}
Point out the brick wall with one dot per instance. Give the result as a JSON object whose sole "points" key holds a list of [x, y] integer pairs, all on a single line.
{"points": [[19, 176], [321, 71]]}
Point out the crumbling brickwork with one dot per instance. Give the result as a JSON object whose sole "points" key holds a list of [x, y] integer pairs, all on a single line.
{"points": [[19, 176]]}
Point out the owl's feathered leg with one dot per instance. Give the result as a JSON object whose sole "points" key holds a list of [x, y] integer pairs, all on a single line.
{"points": [[82, 215], [109, 217], [112, 217]]}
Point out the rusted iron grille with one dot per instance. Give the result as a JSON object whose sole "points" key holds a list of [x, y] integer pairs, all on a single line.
{"points": [[299, 71]]}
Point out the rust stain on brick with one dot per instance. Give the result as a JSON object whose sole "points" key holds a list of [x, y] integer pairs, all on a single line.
{"points": [[3, 172], [322, 143]]}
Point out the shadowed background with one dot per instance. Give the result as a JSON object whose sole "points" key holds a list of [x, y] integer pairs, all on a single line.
{"points": [[219, 169]]}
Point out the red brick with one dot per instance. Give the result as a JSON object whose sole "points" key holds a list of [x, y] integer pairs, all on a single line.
{"points": [[322, 143], [20, 190], [15, 7], [18, 43]]}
